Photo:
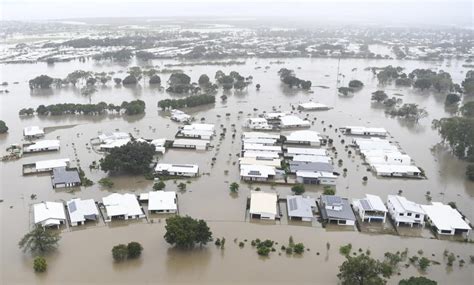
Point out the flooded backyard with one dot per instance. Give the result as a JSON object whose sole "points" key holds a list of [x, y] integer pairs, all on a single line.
{"points": [[84, 252]]}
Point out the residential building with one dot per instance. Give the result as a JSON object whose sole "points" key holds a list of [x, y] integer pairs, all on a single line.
{"points": [[43, 145], [191, 144], [64, 177], [261, 154], [257, 124], [316, 177], [33, 132], [364, 131], [292, 151], [371, 208], [263, 205], [162, 202], [254, 172], [300, 207], [335, 209], [45, 165], [122, 206], [446, 220], [48, 214], [291, 121], [259, 147], [392, 170], [403, 211], [310, 166], [159, 145], [304, 137], [81, 211], [180, 116], [313, 106], [260, 135], [275, 162], [185, 170], [312, 158]]}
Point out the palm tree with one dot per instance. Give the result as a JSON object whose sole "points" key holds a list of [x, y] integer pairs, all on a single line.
{"points": [[234, 187], [39, 240]]}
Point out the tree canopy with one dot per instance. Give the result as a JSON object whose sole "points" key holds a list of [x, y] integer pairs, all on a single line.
{"points": [[134, 157], [154, 79], [379, 96], [185, 232], [39, 240], [360, 270], [419, 280], [190, 101], [468, 83], [42, 82], [356, 84], [179, 83], [3, 127]]}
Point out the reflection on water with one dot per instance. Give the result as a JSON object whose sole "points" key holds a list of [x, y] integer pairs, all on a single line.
{"points": [[208, 197]]}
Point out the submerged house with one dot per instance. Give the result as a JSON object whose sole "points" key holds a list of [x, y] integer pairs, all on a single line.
{"points": [[335, 209], [257, 124], [160, 145], [254, 172], [313, 106], [316, 177], [45, 165], [81, 211], [403, 211], [293, 151], [162, 202], [180, 116], [185, 170], [303, 137], [296, 166], [300, 207], [260, 135], [33, 132], [371, 208], [48, 214], [394, 170], [63, 177], [446, 220], [364, 131], [291, 121], [263, 205], [43, 145], [191, 144], [275, 162], [122, 206]]}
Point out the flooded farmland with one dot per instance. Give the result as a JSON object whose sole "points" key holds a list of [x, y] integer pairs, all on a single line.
{"points": [[84, 253]]}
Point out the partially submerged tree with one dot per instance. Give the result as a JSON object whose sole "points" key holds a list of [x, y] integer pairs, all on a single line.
{"points": [[360, 270], [185, 232], [134, 157], [39, 240], [120, 252], [3, 127]]}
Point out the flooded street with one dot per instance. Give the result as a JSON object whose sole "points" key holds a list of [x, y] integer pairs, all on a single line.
{"points": [[85, 251]]}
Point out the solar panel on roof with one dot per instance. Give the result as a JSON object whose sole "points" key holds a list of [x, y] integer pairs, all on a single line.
{"points": [[72, 207], [293, 205], [333, 199], [366, 205], [254, 172]]}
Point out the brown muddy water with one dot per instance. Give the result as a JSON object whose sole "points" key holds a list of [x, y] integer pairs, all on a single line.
{"points": [[84, 254]]}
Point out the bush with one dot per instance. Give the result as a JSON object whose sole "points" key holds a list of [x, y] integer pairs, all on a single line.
{"points": [[155, 79], [120, 252], [40, 264], [134, 249], [3, 127], [345, 249], [298, 189], [298, 248], [356, 84], [160, 185], [420, 280], [424, 263], [263, 250], [328, 190], [106, 182], [129, 80]]}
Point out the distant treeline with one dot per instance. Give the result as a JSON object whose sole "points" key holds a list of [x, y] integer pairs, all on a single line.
{"points": [[191, 101], [129, 108]]}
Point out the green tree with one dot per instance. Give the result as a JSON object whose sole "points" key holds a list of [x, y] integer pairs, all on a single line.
{"points": [[40, 264], [154, 79], [3, 127], [379, 96], [185, 232], [467, 110], [39, 240], [298, 189], [234, 187], [160, 185], [134, 157], [458, 133], [120, 252], [328, 190], [468, 83], [129, 80], [42, 82], [203, 79], [452, 99], [298, 248], [360, 270], [106, 182], [134, 249], [419, 280], [355, 84], [345, 249], [424, 263]]}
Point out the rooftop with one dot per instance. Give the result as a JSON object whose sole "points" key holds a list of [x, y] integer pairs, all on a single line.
{"points": [[122, 204], [189, 168], [64, 175], [53, 163], [345, 213], [299, 206], [304, 136], [263, 202], [49, 213], [80, 210], [161, 200], [401, 204], [253, 170], [444, 217], [371, 203]]}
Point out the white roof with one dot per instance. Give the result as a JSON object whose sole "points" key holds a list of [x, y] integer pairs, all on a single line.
{"points": [[401, 204], [311, 158], [379, 152], [293, 121], [197, 132], [315, 174], [263, 202], [49, 213], [190, 142], [259, 135], [48, 164], [113, 136], [257, 120], [78, 209], [372, 203], [395, 168], [253, 170], [306, 151], [161, 200], [360, 129], [260, 147], [312, 105], [304, 136], [180, 117], [186, 168], [274, 115], [275, 162], [299, 206], [261, 154], [33, 131], [444, 217], [201, 127], [113, 143], [122, 204], [259, 141], [51, 144]]}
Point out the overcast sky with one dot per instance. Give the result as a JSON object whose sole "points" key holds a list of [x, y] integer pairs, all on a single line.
{"points": [[404, 12]]}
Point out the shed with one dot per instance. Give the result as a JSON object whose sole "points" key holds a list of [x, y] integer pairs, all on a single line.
{"points": [[33, 132]]}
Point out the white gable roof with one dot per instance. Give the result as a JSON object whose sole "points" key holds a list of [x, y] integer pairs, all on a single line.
{"points": [[293, 121], [50, 144], [299, 206], [33, 131], [444, 217], [49, 213], [401, 204], [253, 170], [184, 168], [78, 209], [122, 204], [48, 164], [304, 136]]}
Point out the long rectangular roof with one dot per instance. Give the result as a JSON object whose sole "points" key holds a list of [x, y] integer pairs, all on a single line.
{"points": [[306, 151], [190, 142], [303, 136], [263, 154], [310, 166], [401, 204], [264, 141], [53, 163], [253, 170], [33, 131], [394, 168], [263, 202], [80, 209], [122, 204], [43, 144], [293, 121], [187, 168], [275, 162], [312, 158], [313, 106], [260, 147], [299, 206], [259, 135], [345, 213], [201, 127], [361, 130], [63, 175], [444, 217], [49, 213], [161, 200]]}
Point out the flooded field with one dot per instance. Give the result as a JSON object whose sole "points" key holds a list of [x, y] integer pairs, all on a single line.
{"points": [[84, 253]]}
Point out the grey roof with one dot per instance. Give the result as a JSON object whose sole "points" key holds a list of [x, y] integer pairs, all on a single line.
{"points": [[310, 166], [63, 175], [345, 214], [299, 206]]}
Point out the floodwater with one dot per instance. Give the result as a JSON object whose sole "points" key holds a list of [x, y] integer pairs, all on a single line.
{"points": [[84, 253]]}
